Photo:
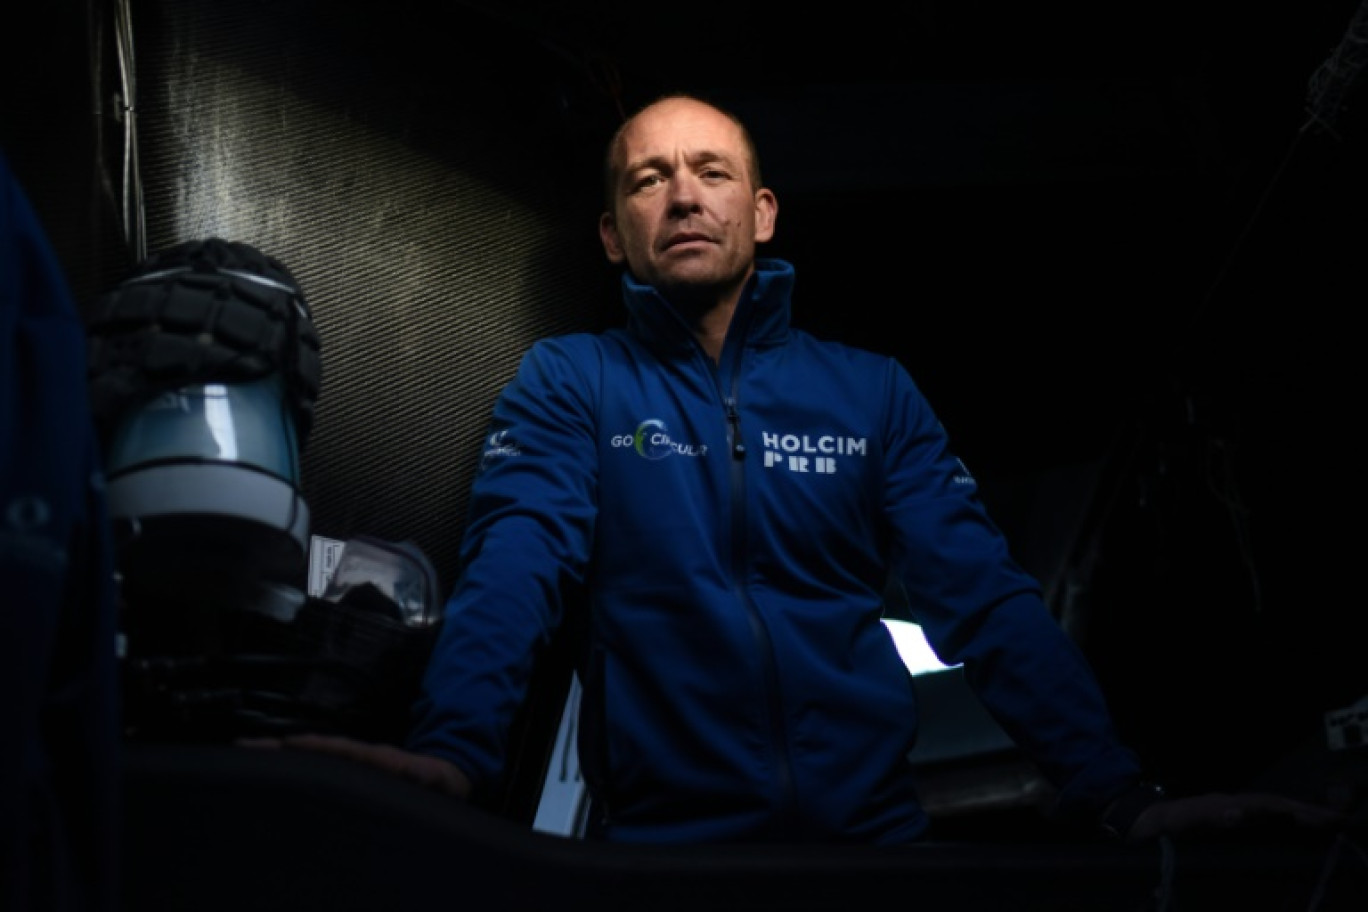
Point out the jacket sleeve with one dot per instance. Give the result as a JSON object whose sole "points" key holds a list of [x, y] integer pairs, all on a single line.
{"points": [[978, 607], [525, 549], [60, 752]]}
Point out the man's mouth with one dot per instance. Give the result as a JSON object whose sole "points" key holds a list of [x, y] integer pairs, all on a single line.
{"points": [[680, 240]]}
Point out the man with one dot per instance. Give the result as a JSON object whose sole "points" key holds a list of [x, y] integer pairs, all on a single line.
{"points": [[730, 497]]}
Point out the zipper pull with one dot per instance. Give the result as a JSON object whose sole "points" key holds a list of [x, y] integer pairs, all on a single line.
{"points": [[738, 448]]}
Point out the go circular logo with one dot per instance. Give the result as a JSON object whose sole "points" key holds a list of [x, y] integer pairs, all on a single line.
{"points": [[652, 440]]}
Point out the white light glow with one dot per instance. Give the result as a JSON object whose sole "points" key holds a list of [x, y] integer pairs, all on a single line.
{"points": [[916, 653], [218, 415]]}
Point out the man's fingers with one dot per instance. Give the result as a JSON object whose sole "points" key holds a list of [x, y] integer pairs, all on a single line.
{"points": [[385, 756], [266, 743], [431, 772], [1221, 811]]}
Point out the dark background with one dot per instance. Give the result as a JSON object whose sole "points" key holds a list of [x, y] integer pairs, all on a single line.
{"points": [[1119, 246]]}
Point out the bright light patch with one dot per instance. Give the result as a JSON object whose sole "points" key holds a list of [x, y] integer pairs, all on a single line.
{"points": [[218, 414], [912, 646]]}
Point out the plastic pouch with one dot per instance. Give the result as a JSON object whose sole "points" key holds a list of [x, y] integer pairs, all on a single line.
{"points": [[399, 572]]}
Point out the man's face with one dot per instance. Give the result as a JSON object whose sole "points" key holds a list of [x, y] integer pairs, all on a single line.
{"points": [[686, 214]]}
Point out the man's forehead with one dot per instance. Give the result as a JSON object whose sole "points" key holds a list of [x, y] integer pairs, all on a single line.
{"points": [[692, 135], [682, 125]]}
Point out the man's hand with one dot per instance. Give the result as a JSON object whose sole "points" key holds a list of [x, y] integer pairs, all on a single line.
{"points": [[1220, 811], [424, 769]]}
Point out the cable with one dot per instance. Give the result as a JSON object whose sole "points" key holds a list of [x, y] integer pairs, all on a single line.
{"points": [[1223, 485], [1163, 894], [131, 192], [1327, 87], [1238, 247], [1332, 863]]}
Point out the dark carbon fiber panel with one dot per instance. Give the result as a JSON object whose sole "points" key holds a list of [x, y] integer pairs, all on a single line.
{"points": [[433, 188]]}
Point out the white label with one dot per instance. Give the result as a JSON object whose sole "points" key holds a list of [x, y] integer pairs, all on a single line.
{"points": [[324, 553]]}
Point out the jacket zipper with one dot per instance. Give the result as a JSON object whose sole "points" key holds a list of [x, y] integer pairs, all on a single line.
{"points": [[783, 762]]}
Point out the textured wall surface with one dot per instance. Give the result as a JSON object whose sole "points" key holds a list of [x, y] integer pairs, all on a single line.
{"points": [[430, 209]]}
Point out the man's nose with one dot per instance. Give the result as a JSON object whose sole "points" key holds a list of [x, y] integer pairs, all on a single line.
{"points": [[684, 193]]}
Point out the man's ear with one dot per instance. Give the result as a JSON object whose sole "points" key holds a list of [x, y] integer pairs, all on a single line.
{"points": [[612, 244], [766, 214]]}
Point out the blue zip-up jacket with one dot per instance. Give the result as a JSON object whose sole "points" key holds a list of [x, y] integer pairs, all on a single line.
{"points": [[732, 528], [59, 684]]}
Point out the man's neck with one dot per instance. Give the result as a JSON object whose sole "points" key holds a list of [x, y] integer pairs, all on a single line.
{"points": [[708, 313], [710, 327]]}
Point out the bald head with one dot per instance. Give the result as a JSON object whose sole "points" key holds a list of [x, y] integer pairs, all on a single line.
{"points": [[670, 104], [685, 206]]}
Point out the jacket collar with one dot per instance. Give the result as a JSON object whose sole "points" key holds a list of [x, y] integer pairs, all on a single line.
{"points": [[762, 314]]}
